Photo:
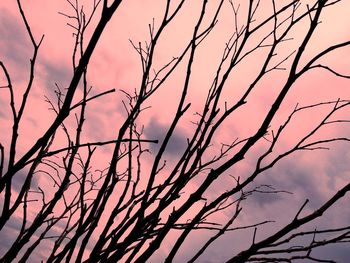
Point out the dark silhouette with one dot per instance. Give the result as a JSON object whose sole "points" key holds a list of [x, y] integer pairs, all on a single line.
{"points": [[126, 212]]}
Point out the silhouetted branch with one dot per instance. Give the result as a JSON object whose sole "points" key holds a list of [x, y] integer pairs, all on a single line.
{"points": [[192, 181]]}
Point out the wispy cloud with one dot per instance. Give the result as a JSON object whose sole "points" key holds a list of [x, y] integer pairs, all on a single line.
{"points": [[9, 233], [15, 45], [156, 130], [55, 72]]}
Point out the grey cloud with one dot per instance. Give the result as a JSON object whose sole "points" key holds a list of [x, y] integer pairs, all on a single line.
{"points": [[16, 51], [340, 253], [301, 179], [211, 260], [209, 256], [15, 45], [19, 179], [338, 165], [56, 73], [9, 233], [263, 199], [95, 126], [157, 131], [294, 177]]}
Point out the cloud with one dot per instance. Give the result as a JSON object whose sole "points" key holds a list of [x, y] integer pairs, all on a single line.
{"points": [[18, 181], [264, 199], [339, 253], [292, 176], [338, 166], [96, 128], [9, 234], [16, 52], [15, 47], [157, 131], [56, 72]]}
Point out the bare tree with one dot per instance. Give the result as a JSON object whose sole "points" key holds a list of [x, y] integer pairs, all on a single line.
{"points": [[128, 210]]}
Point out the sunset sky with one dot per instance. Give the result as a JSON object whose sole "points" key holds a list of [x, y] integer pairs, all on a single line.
{"points": [[315, 175]]}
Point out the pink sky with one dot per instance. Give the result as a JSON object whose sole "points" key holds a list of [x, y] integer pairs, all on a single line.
{"points": [[314, 175]]}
